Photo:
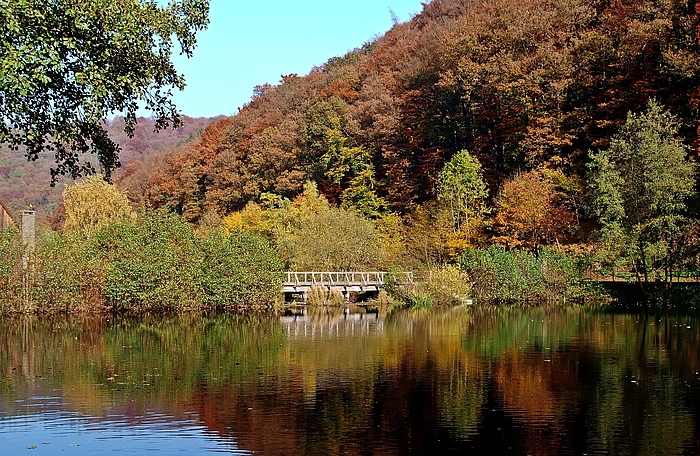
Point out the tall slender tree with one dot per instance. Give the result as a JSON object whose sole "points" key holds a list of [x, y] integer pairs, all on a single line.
{"points": [[461, 187]]}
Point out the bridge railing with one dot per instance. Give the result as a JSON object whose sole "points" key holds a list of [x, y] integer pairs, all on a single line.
{"points": [[327, 278]]}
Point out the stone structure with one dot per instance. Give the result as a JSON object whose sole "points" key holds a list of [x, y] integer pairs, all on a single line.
{"points": [[28, 232], [28, 227]]}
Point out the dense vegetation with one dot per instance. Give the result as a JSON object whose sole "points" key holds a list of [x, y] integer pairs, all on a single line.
{"points": [[477, 123], [523, 86], [563, 132], [113, 259]]}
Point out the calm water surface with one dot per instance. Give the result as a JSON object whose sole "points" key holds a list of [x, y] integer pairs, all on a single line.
{"points": [[474, 380]]}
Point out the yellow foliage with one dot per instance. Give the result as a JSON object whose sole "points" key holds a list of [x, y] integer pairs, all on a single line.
{"points": [[434, 239], [468, 236], [392, 239], [252, 218], [92, 203], [530, 212], [278, 215], [306, 205]]}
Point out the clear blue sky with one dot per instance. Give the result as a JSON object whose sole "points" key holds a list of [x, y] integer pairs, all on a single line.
{"points": [[252, 43]]}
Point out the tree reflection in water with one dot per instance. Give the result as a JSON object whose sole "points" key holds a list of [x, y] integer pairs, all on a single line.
{"points": [[537, 380]]}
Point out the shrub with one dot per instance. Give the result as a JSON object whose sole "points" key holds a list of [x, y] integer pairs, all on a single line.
{"points": [[516, 275], [446, 285], [151, 262], [240, 269], [562, 275], [68, 275]]}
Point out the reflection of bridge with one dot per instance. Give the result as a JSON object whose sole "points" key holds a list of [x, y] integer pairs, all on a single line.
{"points": [[331, 323], [300, 283]]}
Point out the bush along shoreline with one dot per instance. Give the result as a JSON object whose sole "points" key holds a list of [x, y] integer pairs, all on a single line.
{"points": [[503, 275], [153, 261], [497, 275]]}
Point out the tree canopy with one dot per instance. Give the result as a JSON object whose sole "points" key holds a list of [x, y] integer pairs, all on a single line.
{"points": [[530, 213], [461, 187], [522, 85], [66, 65], [639, 187], [92, 203]]}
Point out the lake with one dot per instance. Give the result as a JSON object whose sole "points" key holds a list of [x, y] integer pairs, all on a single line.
{"points": [[473, 379]]}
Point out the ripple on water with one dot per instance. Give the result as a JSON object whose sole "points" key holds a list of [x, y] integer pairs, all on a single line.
{"points": [[61, 430]]}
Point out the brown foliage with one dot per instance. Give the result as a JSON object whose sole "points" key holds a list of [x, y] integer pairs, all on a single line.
{"points": [[530, 213], [520, 84]]}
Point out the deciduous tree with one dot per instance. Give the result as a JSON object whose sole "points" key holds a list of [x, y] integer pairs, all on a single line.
{"points": [[461, 187], [315, 236], [66, 65], [639, 187], [92, 203], [530, 214]]}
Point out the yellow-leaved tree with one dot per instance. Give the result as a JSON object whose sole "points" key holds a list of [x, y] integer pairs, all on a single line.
{"points": [[314, 236], [92, 203], [530, 213]]}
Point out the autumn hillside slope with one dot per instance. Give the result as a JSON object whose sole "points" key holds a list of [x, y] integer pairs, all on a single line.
{"points": [[25, 183], [524, 85]]}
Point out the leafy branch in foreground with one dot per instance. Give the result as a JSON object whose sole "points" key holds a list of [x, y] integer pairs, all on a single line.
{"points": [[65, 66]]}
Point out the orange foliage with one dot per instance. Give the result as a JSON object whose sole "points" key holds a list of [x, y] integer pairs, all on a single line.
{"points": [[339, 89], [530, 213], [517, 83]]}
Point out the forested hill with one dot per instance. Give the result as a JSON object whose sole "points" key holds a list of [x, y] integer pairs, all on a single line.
{"points": [[25, 183], [521, 84]]}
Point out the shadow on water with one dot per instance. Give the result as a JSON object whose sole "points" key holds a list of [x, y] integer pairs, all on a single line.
{"points": [[485, 379], [655, 297]]}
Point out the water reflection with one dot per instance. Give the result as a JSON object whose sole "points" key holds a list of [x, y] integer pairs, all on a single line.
{"points": [[511, 380]]}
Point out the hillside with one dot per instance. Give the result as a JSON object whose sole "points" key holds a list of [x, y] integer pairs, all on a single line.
{"points": [[522, 85], [25, 183]]}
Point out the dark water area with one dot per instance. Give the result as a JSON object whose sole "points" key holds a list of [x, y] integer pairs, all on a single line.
{"points": [[654, 296], [468, 380]]}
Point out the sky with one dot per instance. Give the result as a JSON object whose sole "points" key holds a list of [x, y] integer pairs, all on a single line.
{"points": [[251, 43]]}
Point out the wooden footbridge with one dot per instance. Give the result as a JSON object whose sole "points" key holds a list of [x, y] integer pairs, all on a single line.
{"points": [[299, 284]]}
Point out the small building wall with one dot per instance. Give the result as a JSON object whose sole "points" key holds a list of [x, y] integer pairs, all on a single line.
{"points": [[5, 217]]}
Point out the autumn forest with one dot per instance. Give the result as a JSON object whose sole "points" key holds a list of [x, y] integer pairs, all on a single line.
{"points": [[532, 90], [488, 126]]}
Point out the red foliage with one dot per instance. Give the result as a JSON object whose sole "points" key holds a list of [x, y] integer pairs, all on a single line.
{"points": [[517, 83]]}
